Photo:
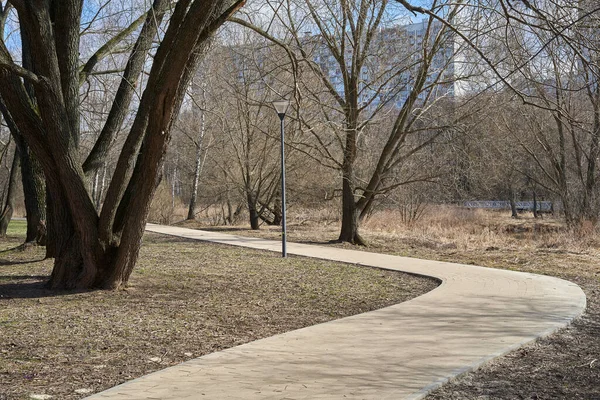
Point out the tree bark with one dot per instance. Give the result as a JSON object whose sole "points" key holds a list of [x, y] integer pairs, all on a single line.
{"points": [[11, 195], [34, 191], [34, 185], [252, 211], [350, 212], [350, 221]]}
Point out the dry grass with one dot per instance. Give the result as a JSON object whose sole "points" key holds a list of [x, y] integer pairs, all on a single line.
{"points": [[186, 299], [487, 238], [565, 365]]}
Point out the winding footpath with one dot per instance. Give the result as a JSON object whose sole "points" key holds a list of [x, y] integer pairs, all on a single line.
{"points": [[399, 352]]}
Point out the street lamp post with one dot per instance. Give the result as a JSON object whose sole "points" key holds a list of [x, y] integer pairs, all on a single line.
{"points": [[281, 107]]}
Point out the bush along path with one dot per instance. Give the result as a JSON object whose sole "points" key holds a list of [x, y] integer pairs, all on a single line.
{"points": [[403, 351]]}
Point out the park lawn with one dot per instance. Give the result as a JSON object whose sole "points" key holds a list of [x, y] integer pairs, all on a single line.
{"points": [[565, 365], [185, 299]]}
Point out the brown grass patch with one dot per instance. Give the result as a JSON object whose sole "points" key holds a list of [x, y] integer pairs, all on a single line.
{"points": [[566, 365], [186, 299]]}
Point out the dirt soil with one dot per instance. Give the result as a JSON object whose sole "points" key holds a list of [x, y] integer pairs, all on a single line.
{"points": [[565, 365], [186, 299]]}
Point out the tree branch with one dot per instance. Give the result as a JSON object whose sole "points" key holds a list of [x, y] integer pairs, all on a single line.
{"points": [[107, 48]]}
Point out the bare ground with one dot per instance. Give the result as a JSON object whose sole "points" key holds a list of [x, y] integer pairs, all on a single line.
{"points": [[565, 365], [186, 299]]}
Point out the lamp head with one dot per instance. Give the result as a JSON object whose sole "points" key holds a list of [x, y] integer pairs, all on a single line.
{"points": [[281, 107]]}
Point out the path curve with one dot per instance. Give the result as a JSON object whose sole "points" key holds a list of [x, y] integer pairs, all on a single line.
{"points": [[398, 352]]}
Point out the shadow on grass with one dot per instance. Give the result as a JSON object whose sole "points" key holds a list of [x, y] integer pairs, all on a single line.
{"points": [[14, 262], [5, 278], [32, 289], [25, 290]]}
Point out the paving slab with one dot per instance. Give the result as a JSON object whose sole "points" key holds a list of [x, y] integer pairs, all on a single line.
{"points": [[398, 352]]}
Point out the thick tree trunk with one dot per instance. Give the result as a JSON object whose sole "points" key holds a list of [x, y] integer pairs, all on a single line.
{"points": [[34, 191], [252, 212], [32, 173], [350, 212], [11, 195], [34, 186], [350, 215], [94, 250], [63, 244], [535, 210]]}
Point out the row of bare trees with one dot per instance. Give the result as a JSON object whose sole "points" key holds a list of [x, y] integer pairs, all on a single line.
{"points": [[485, 98]]}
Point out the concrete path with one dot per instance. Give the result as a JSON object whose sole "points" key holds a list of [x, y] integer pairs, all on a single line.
{"points": [[399, 352]]}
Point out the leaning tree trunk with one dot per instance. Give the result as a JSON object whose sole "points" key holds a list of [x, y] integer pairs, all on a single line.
{"points": [[11, 195]]}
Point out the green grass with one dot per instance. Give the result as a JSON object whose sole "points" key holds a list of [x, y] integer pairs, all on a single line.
{"points": [[17, 228]]}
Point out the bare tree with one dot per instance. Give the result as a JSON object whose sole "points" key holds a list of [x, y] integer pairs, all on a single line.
{"points": [[547, 55], [368, 72], [199, 119], [247, 158], [553, 66], [100, 249]]}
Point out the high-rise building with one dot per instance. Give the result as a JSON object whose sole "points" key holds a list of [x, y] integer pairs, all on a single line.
{"points": [[389, 73]]}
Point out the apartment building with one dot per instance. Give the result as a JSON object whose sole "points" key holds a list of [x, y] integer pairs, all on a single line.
{"points": [[391, 70]]}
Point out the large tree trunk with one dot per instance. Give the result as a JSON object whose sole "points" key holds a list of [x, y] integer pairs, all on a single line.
{"points": [[34, 191], [252, 211], [34, 186], [94, 250], [350, 211], [350, 215], [63, 245], [11, 195]]}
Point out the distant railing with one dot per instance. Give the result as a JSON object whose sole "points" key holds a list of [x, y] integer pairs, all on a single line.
{"points": [[542, 206]]}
